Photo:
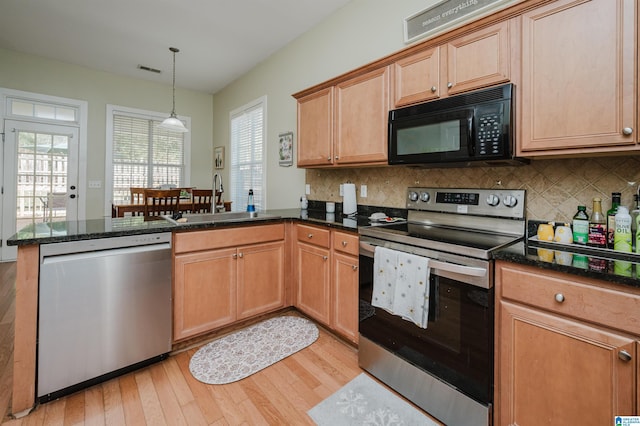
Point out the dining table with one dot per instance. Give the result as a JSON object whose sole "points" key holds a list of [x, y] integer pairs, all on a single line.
{"points": [[137, 209]]}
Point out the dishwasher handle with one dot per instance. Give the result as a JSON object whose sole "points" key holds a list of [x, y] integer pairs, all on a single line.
{"points": [[51, 259]]}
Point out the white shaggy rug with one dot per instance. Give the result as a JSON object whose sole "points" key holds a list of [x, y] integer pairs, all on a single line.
{"points": [[240, 354], [363, 401]]}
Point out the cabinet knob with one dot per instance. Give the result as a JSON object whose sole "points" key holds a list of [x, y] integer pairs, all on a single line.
{"points": [[235, 256], [324, 258], [433, 89], [354, 267], [559, 297], [344, 244], [627, 131], [449, 85], [310, 236], [337, 158], [240, 255], [328, 158], [624, 355]]}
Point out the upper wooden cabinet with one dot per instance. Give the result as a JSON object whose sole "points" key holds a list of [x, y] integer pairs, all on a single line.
{"points": [[578, 91], [478, 59], [330, 123]]}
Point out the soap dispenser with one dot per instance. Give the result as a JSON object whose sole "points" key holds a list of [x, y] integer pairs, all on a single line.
{"points": [[250, 206]]}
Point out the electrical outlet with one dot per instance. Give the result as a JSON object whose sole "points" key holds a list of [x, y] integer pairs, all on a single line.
{"points": [[307, 189], [95, 184], [363, 191], [341, 190]]}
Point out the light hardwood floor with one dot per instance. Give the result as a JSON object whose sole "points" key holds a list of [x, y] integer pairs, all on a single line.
{"points": [[166, 393]]}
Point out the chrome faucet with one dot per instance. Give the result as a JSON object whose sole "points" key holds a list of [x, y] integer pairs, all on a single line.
{"points": [[214, 205]]}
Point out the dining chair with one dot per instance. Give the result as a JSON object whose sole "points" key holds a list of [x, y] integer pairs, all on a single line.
{"points": [[201, 200], [161, 201], [137, 197]]}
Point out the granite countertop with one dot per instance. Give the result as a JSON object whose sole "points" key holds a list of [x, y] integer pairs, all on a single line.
{"points": [[54, 232], [601, 264]]}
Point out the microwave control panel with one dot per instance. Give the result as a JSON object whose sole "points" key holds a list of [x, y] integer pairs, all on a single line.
{"points": [[490, 130]]}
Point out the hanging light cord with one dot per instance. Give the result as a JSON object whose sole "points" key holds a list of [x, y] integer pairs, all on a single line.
{"points": [[173, 109]]}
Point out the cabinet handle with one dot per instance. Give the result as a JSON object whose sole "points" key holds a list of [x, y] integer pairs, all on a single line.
{"points": [[433, 89], [324, 257], [627, 131], [354, 267], [624, 355], [310, 236], [449, 85], [344, 244], [559, 297], [240, 255]]}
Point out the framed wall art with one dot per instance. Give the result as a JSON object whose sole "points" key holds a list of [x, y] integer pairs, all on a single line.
{"points": [[218, 157], [285, 149]]}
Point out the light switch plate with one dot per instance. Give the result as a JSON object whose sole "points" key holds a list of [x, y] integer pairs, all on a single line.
{"points": [[95, 184], [307, 189], [363, 191], [341, 190]]}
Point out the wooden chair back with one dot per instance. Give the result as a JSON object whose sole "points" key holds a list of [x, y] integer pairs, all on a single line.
{"points": [[201, 200], [161, 201], [137, 195]]}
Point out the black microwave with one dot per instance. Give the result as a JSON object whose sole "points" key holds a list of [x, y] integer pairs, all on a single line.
{"points": [[471, 129]]}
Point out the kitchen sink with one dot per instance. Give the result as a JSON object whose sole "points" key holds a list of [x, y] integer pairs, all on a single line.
{"points": [[223, 217]]}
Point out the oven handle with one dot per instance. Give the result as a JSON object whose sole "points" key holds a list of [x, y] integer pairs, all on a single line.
{"points": [[436, 264]]}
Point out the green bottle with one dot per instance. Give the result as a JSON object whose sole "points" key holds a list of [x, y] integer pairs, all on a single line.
{"points": [[611, 218], [580, 226]]}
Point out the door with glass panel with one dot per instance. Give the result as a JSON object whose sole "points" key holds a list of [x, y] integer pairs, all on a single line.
{"points": [[40, 179]]}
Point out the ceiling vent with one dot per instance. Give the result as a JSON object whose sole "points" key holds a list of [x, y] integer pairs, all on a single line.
{"points": [[146, 68]]}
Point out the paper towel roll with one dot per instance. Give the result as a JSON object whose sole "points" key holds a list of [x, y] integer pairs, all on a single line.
{"points": [[349, 205]]}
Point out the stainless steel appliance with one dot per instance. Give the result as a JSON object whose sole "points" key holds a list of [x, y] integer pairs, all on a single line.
{"points": [[447, 367], [104, 308], [471, 129]]}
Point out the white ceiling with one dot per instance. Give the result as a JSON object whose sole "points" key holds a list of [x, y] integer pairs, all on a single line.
{"points": [[219, 40]]}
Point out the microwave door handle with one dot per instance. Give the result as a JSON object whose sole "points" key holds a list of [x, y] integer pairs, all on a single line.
{"points": [[472, 142]]}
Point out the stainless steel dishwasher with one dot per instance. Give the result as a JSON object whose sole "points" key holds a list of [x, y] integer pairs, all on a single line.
{"points": [[104, 309]]}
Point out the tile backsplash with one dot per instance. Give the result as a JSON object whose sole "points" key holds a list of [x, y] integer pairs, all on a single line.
{"points": [[554, 187]]}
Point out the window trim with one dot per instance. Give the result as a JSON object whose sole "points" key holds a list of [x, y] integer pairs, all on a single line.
{"points": [[147, 115], [249, 105]]}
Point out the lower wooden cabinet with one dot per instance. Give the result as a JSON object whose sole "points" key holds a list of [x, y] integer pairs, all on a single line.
{"points": [[214, 287], [557, 362], [327, 278]]}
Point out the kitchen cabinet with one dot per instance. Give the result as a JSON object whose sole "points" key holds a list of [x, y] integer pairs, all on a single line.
{"points": [[327, 278], [566, 348], [476, 60], [225, 275], [578, 91], [330, 122]]}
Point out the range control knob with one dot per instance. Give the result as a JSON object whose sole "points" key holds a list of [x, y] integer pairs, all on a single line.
{"points": [[413, 196], [425, 197], [510, 201], [493, 200]]}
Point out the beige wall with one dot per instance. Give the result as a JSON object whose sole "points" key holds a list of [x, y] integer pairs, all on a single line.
{"points": [[35, 74]]}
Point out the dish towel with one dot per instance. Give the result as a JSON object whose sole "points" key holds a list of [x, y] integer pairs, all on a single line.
{"points": [[401, 285]]}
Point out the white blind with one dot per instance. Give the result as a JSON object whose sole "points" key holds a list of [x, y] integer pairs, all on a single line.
{"points": [[144, 155], [247, 156]]}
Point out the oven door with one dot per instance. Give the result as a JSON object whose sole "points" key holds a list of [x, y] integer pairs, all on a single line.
{"points": [[457, 345]]}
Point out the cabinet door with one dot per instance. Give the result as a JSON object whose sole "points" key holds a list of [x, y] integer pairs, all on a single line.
{"points": [[204, 292], [260, 279], [345, 296], [313, 279], [315, 129], [479, 59], [417, 77], [362, 110], [578, 89], [558, 371]]}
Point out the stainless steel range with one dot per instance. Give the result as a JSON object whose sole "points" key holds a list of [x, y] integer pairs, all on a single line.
{"points": [[444, 362]]}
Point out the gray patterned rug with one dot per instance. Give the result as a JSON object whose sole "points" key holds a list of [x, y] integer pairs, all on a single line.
{"points": [[363, 401], [240, 354]]}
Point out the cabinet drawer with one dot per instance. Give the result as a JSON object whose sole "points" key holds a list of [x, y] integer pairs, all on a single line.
{"points": [[226, 237], [346, 243], [576, 297], [313, 235]]}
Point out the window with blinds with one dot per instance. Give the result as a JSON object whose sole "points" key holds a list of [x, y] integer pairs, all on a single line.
{"points": [[247, 155], [144, 155]]}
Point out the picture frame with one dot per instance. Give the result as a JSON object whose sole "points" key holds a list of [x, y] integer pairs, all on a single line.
{"points": [[218, 157], [285, 149]]}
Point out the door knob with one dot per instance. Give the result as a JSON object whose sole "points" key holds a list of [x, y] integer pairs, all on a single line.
{"points": [[72, 196]]}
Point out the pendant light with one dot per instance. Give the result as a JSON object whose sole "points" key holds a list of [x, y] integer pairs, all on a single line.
{"points": [[172, 122]]}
